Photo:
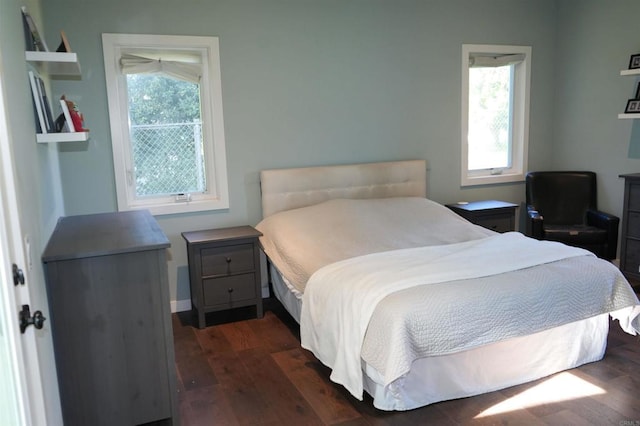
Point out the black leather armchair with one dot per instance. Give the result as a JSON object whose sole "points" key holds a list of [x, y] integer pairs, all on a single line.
{"points": [[562, 206]]}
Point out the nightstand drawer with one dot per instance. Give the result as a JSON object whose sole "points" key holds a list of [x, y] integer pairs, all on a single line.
{"points": [[227, 290], [496, 223], [226, 260]]}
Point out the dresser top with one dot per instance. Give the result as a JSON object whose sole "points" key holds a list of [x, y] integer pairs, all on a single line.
{"points": [[104, 234], [631, 176]]}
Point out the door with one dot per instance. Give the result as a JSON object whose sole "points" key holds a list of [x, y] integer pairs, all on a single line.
{"points": [[21, 398]]}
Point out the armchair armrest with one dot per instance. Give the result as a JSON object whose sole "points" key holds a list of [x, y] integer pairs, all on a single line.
{"points": [[610, 223], [535, 223]]}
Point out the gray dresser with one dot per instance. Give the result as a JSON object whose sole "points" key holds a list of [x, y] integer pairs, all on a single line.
{"points": [[630, 237], [107, 286]]}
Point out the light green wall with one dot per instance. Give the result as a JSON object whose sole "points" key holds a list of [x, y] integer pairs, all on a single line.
{"points": [[309, 82], [597, 38]]}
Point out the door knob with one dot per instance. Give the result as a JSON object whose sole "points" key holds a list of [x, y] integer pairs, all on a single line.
{"points": [[37, 320], [18, 275]]}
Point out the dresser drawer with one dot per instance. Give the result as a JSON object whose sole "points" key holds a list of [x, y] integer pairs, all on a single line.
{"points": [[634, 196], [225, 260], [227, 290], [633, 226]]}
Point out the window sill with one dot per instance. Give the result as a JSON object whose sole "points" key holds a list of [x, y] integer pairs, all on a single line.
{"points": [[182, 207], [492, 179]]}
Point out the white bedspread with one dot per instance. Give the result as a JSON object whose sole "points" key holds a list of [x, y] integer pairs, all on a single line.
{"points": [[335, 316]]}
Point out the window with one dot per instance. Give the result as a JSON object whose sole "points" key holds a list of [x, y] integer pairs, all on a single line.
{"points": [[165, 109], [495, 113]]}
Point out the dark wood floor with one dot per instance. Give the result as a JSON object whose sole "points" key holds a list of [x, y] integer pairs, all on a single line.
{"points": [[254, 372]]}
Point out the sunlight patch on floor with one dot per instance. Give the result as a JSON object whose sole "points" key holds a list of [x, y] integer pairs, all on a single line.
{"points": [[561, 387]]}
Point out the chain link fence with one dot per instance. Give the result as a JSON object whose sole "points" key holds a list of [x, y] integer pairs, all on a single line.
{"points": [[168, 158]]}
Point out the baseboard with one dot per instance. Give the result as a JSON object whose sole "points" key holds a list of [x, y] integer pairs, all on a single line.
{"points": [[180, 305]]}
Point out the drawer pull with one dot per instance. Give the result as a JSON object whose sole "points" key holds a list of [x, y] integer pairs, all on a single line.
{"points": [[228, 259], [230, 290]]}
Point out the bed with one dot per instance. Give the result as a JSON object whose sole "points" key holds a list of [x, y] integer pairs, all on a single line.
{"points": [[405, 300]]}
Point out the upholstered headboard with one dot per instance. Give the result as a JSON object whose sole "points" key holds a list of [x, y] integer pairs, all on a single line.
{"points": [[285, 189]]}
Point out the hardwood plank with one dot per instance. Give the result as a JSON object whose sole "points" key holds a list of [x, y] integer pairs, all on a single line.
{"points": [[275, 335], [247, 402], [279, 393], [477, 410], [564, 417], [620, 394], [431, 414], [240, 335], [212, 339], [207, 405], [329, 403], [594, 411], [192, 367]]}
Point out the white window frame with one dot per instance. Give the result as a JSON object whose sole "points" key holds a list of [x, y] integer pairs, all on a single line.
{"points": [[217, 195], [520, 118]]}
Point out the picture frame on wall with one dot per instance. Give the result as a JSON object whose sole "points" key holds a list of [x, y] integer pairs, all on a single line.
{"points": [[634, 61], [64, 43], [633, 106]]}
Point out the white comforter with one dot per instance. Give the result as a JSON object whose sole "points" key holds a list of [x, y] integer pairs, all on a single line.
{"points": [[335, 316], [301, 241]]}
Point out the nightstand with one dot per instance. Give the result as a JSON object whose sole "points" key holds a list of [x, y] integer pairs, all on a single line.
{"points": [[224, 270], [498, 216]]}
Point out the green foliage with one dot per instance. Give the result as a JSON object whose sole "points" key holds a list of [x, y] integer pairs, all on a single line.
{"points": [[158, 99]]}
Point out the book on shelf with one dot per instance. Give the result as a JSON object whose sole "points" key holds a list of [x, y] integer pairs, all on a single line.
{"points": [[41, 124], [33, 39], [28, 36], [46, 108], [64, 43]]}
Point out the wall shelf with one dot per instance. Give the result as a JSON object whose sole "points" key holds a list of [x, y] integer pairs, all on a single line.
{"points": [[635, 71], [62, 137], [55, 63], [61, 65]]}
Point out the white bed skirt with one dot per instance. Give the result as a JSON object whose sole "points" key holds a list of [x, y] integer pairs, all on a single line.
{"points": [[479, 370]]}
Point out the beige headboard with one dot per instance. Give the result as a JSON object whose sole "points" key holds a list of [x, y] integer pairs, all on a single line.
{"points": [[285, 189]]}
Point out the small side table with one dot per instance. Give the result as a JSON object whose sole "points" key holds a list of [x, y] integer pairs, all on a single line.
{"points": [[224, 270], [498, 216]]}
